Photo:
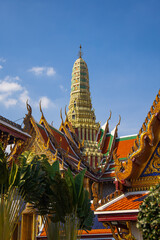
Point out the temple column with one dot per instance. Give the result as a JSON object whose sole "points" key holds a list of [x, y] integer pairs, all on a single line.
{"points": [[91, 134], [82, 133], [94, 134], [93, 163], [28, 224], [87, 133], [79, 132]]}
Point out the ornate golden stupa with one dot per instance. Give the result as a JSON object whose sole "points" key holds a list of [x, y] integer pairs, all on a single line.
{"points": [[81, 114]]}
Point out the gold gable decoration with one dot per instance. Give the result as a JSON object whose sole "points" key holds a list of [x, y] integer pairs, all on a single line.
{"points": [[143, 148]]}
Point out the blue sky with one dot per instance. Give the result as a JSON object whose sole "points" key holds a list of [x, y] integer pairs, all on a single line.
{"points": [[39, 42]]}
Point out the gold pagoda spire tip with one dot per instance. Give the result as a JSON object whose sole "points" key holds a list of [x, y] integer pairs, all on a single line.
{"points": [[80, 51]]}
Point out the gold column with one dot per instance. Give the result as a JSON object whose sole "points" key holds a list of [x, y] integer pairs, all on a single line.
{"points": [[94, 134], [91, 134], [87, 133], [93, 161], [83, 133]]}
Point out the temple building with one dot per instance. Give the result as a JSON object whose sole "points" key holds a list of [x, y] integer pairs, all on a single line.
{"points": [[120, 170]]}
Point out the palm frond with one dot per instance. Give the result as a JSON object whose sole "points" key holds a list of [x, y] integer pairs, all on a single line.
{"points": [[11, 207]]}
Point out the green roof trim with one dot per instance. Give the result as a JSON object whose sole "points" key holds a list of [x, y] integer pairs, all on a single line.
{"points": [[126, 138], [39, 125], [56, 130], [111, 169], [121, 159], [110, 142]]}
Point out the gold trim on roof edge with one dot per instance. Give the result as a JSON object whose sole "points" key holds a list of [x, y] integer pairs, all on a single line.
{"points": [[124, 170]]}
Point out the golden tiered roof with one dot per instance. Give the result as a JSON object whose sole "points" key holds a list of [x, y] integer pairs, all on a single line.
{"points": [[80, 106], [81, 114]]}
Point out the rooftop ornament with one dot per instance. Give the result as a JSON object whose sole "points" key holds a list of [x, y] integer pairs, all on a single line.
{"points": [[80, 52]]}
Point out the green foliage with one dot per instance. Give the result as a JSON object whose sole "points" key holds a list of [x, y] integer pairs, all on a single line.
{"points": [[11, 207], [61, 200], [31, 176], [149, 215], [66, 204], [11, 198], [3, 167]]}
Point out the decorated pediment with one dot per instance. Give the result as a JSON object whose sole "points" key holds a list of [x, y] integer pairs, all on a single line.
{"points": [[153, 166]]}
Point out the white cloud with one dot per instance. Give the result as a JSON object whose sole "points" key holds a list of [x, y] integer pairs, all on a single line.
{"points": [[10, 102], [37, 70], [9, 86], [14, 94], [11, 79], [48, 71], [1, 66], [9, 89], [62, 88], [3, 96], [45, 102], [24, 96], [2, 60]]}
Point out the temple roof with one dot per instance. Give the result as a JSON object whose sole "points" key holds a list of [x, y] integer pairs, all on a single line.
{"points": [[123, 203], [143, 156], [11, 132]]}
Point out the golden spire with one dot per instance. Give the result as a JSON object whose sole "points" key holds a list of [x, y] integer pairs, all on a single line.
{"points": [[80, 51]]}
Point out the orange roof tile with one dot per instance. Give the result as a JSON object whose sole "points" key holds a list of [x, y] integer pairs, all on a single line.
{"points": [[128, 201], [83, 232], [124, 147], [95, 231], [43, 233]]}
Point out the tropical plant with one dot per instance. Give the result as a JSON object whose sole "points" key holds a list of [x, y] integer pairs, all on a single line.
{"points": [[20, 182], [149, 215], [61, 201], [11, 199], [11, 207], [65, 204]]}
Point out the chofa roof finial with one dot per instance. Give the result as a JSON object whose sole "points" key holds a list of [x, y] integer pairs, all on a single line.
{"points": [[66, 113], [119, 121], [40, 107], [28, 108], [61, 115]]}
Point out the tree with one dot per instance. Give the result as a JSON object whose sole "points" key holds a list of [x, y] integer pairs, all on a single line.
{"points": [[149, 215]]}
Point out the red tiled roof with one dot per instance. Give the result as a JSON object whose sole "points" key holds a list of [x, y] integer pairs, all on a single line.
{"points": [[60, 138], [44, 135], [124, 147], [129, 201], [95, 231], [43, 233], [106, 144], [83, 232]]}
